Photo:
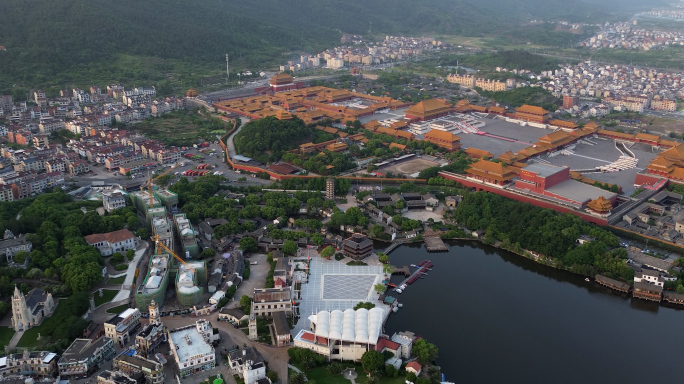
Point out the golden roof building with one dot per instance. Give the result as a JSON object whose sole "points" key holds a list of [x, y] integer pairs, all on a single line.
{"points": [[429, 109]]}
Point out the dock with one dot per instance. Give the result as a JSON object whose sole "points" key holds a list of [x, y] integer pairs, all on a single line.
{"points": [[401, 271], [422, 269], [613, 284], [673, 297], [435, 244]]}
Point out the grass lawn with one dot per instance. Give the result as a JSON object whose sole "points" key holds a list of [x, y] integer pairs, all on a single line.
{"points": [[107, 296], [5, 336], [118, 309], [321, 375], [30, 337], [116, 280]]}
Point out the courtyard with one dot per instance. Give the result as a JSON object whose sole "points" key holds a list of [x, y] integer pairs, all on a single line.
{"points": [[409, 167]]}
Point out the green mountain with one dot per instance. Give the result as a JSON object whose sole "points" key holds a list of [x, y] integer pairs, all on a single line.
{"points": [[60, 43]]}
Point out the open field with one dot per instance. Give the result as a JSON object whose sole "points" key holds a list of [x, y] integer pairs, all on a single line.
{"points": [[5, 336], [116, 280], [107, 296], [409, 167], [181, 128], [118, 309]]}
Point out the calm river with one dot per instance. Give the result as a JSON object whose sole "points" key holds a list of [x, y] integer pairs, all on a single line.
{"points": [[499, 318]]}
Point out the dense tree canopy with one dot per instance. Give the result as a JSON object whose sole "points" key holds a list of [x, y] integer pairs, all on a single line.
{"points": [[268, 138]]}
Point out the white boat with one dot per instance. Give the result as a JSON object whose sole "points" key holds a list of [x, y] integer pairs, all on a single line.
{"points": [[398, 290], [587, 279], [395, 309], [400, 305]]}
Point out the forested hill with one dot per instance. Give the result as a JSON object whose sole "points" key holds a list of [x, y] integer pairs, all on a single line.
{"points": [[50, 41]]}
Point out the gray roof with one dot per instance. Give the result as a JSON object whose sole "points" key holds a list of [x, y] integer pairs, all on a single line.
{"points": [[35, 297], [578, 191], [653, 262], [235, 312], [662, 195], [543, 170], [647, 287], [280, 323]]}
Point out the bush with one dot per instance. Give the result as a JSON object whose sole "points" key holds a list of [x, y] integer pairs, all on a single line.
{"points": [[245, 275], [121, 267], [117, 258], [130, 254]]}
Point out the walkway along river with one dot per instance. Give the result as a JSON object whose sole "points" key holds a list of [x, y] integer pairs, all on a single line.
{"points": [[497, 317]]}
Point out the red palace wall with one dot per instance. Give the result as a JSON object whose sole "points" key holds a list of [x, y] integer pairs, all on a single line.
{"points": [[541, 183], [527, 199]]}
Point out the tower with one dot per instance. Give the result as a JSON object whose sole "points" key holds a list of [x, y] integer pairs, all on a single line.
{"points": [[154, 313], [227, 68], [330, 188], [252, 325], [21, 316]]}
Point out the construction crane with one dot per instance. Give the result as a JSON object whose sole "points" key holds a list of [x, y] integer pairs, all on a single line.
{"points": [[150, 181], [158, 242]]}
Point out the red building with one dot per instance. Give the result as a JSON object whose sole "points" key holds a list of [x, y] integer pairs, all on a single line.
{"points": [[490, 172], [282, 82], [532, 113], [568, 102], [444, 139], [555, 182]]}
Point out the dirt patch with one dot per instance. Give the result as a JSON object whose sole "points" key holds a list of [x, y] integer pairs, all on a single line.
{"points": [[409, 167]]}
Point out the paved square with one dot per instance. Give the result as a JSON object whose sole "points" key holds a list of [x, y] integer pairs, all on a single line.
{"points": [[347, 287]]}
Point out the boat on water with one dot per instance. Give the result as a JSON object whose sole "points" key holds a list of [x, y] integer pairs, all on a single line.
{"points": [[398, 290], [395, 309], [586, 279], [400, 305]]}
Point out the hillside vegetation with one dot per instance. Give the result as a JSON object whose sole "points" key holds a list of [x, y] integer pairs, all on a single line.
{"points": [[53, 44], [268, 139]]}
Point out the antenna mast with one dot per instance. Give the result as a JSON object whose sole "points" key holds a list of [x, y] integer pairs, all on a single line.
{"points": [[227, 68]]}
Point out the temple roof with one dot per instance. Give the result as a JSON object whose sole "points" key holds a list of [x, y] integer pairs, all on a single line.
{"points": [[427, 107], [601, 205], [441, 135], [531, 109]]}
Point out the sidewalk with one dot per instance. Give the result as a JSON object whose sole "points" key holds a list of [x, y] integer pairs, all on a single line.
{"points": [[125, 292]]}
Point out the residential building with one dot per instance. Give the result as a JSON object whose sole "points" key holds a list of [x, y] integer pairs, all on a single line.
{"points": [[30, 310], [6, 194], [111, 242], [85, 356], [191, 349], [136, 365], [267, 301], [281, 329], [78, 167], [109, 377], [10, 245], [120, 327], [649, 276], [37, 364], [248, 365], [113, 200]]}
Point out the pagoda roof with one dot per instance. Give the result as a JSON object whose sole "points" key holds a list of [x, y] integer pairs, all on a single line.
{"points": [[491, 170], [601, 205], [674, 153], [591, 125], [563, 124], [475, 152], [647, 137], [441, 135], [660, 163], [531, 109], [427, 107], [283, 115], [494, 109]]}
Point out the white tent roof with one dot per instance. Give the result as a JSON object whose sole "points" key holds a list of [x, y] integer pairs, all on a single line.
{"points": [[360, 326]]}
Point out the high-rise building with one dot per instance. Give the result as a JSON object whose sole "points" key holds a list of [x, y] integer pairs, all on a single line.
{"points": [[568, 101]]}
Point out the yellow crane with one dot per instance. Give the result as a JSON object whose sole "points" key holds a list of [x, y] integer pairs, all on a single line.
{"points": [[158, 242], [150, 181]]}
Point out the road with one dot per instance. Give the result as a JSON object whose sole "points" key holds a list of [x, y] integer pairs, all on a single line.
{"points": [[108, 177]]}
